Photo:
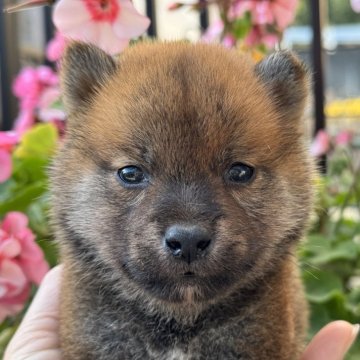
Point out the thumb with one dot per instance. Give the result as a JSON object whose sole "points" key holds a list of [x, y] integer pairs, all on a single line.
{"points": [[37, 336], [332, 342]]}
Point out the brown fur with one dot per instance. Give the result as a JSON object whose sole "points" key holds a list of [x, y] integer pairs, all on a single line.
{"points": [[185, 113]]}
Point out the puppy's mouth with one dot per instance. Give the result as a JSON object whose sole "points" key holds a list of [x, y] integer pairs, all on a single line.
{"points": [[182, 284], [189, 274]]}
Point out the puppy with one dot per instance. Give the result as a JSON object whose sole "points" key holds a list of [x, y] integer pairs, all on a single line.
{"points": [[179, 196]]}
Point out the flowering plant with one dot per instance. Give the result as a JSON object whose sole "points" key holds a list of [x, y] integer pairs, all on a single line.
{"points": [[330, 256], [24, 231], [249, 24], [109, 24], [37, 90], [21, 263]]}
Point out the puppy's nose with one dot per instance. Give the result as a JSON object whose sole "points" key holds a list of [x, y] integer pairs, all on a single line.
{"points": [[187, 242]]}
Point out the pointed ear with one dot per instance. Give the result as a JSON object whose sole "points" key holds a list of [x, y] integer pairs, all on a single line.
{"points": [[286, 79], [84, 69]]}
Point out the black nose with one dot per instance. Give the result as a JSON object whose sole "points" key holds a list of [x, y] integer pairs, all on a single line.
{"points": [[187, 242]]}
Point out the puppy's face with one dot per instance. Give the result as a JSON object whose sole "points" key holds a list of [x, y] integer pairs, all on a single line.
{"points": [[184, 170]]}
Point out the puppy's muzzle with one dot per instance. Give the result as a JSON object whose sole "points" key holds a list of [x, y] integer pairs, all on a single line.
{"points": [[187, 242]]}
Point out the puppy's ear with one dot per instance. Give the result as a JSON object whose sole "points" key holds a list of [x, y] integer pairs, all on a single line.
{"points": [[84, 69], [287, 81]]}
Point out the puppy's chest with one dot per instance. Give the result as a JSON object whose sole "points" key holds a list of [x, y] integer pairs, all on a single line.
{"points": [[174, 354]]}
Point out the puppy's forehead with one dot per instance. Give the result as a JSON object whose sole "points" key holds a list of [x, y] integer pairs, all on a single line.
{"points": [[168, 102]]}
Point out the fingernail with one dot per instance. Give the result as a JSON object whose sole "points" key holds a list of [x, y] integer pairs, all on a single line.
{"points": [[354, 334], [355, 331], [352, 339]]}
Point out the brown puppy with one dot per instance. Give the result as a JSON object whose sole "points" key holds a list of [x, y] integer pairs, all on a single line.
{"points": [[179, 196]]}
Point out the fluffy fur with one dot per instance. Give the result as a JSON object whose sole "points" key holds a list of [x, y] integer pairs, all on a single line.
{"points": [[185, 113]]}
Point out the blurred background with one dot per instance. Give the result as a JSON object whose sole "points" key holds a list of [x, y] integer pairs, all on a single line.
{"points": [[324, 33], [24, 36]]}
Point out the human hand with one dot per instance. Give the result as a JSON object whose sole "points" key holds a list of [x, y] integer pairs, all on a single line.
{"points": [[38, 339], [332, 342]]}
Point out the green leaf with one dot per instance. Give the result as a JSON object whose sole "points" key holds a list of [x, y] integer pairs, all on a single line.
{"points": [[321, 286], [348, 227], [318, 318], [22, 200], [241, 26], [38, 142], [353, 301], [58, 104], [30, 169], [6, 189], [50, 250], [344, 251], [334, 309], [5, 337], [354, 353], [38, 213], [315, 244], [337, 308]]}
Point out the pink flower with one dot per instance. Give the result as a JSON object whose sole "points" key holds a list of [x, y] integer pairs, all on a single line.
{"points": [[46, 107], [46, 76], [56, 46], [5, 165], [14, 288], [52, 114], [49, 96], [109, 24], [24, 121], [29, 84], [343, 138], [30, 81], [21, 263], [8, 139], [213, 32], [229, 41], [355, 4], [273, 12], [29, 87], [259, 35], [321, 144], [174, 6]]}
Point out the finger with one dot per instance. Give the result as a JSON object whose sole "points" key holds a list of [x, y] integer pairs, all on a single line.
{"points": [[37, 334], [47, 296], [332, 342]]}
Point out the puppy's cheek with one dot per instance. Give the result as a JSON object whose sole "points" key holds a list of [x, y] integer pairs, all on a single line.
{"points": [[244, 236], [241, 247], [94, 213], [143, 248], [230, 242]]}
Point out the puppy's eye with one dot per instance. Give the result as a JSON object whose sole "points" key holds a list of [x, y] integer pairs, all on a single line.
{"points": [[240, 173], [132, 175]]}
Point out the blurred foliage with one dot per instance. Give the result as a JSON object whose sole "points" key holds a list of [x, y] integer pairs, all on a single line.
{"points": [[27, 191], [340, 12], [330, 256]]}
